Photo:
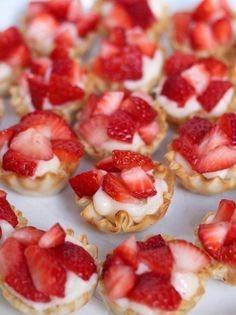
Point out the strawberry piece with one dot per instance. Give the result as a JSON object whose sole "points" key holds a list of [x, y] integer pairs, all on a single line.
{"points": [[63, 67], [59, 52], [76, 259], [118, 36], [38, 91], [117, 17], [136, 36], [177, 89], [121, 127], [186, 147], [213, 94], [124, 159], [86, 184], [69, 151], [10, 39], [181, 23], [3, 194], [16, 162], [87, 23], [198, 77], [111, 260], [35, 8], [94, 130], [75, 11], [114, 187], [228, 254], [202, 37], [7, 213], [28, 235], [215, 67], [33, 145], [128, 251], [109, 103], [155, 292], [91, 105], [223, 31], [119, 280], [6, 135], [178, 62], [59, 8], [149, 132], [39, 66], [47, 273], [231, 234], [205, 10], [107, 165], [20, 57], [227, 123], [139, 183], [53, 237], [225, 210], [152, 243]]}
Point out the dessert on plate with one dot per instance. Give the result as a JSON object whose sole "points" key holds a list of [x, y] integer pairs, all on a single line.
{"points": [[39, 154], [195, 86], [52, 22], [126, 192], [57, 83], [203, 155], [47, 272], [14, 57], [120, 120], [206, 30], [217, 236], [160, 275], [127, 59]]}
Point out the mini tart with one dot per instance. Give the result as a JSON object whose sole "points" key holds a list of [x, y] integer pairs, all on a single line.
{"points": [[130, 283], [203, 156], [207, 30], [48, 24], [35, 243], [223, 249], [14, 57], [195, 86], [39, 154], [116, 120], [116, 183], [57, 83], [128, 59]]}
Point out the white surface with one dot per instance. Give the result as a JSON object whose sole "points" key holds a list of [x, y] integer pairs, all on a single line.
{"points": [[185, 211]]}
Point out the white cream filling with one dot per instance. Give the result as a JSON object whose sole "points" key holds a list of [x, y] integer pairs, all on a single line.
{"points": [[157, 7], [50, 166], [6, 71], [223, 104], [151, 70], [7, 229], [106, 206], [111, 145], [186, 283]]}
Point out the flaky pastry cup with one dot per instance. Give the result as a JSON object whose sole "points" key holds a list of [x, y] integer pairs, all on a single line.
{"points": [[196, 182], [122, 222], [22, 221], [98, 153], [6, 84], [68, 308]]}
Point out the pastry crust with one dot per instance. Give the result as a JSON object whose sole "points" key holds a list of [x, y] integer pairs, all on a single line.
{"points": [[196, 182], [122, 221], [68, 308], [6, 84], [22, 221], [98, 153]]}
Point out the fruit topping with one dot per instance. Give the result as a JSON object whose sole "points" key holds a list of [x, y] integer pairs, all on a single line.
{"points": [[124, 160], [69, 151], [228, 125], [28, 235], [128, 251], [178, 62], [6, 211], [53, 237]]}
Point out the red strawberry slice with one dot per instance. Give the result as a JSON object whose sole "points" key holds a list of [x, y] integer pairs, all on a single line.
{"points": [[128, 251], [227, 123], [223, 31], [59, 8], [47, 273], [60, 52], [6, 135], [91, 104], [53, 237], [16, 162], [20, 57], [188, 257], [181, 23], [124, 159], [215, 67], [187, 148], [213, 94], [117, 36], [107, 165], [198, 77], [225, 210], [116, 189], [136, 36], [119, 280], [121, 127], [118, 16], [76, 259], [177, 89], [39, 66], [69, 151], [75, 11], [32, 145], [178, 62], [152, 242], [7, 213], [86, 184], [87, 23], [231, 234], [228, 254], [202, 37], [138, 182], [64, 67], [111, 260], [109, 103], [155, 292], [35, 8], [38, 91], [10, 39], [149, 132], [205, 10], [28, 235]]}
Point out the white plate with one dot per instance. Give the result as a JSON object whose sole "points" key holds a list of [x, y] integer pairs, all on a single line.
{"points": [[184, 214]]}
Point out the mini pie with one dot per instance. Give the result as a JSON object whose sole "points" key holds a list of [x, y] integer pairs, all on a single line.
{"points": [[120, 120], [57, 83], [127, 59], [195, 86], [207, 30], [158, 276], [39, 154], [127, 192], [203, 155], [14, 57], [52, 22], [217, 237], [49, 272]]}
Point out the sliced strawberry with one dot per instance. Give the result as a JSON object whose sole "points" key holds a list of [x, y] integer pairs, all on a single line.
{"points": [[223, 31], [108, 49], [136, 36], [124, 159], [231, 234], [39, 66], [205, 10], [178, 62], [20, 57], [198, 77], [109, 103], [118, 17], [91, 105], [128, 251], [107, 165], [6, 135], [149, 132], [87, 23], [139, 183], [213, 94], [187, 148], [64, 67], [181, 22], [28, 235], [7, 213], [53, 237], [60, 52], [202, 37], [69, 151], [227, 123], [47, 273], [76, 259], [115, 188], [155, 292], [10, 39], [86, 184], [75, 10], [215, 67], [152, 242], [225, 210], [111, 260], [119, 280], [228, 254], [35, 8], [59, 8], [177, 89]]}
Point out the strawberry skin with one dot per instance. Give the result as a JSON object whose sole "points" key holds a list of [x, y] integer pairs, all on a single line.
{"points": [[109, 103], [215, 67], [225, 210], [107, 165], [128, 251], [228, 254], [28, 235], [202, 37], [53, 237], [38, 91], [222, 30], [152, 242], [6, 212], [181, 22], [228, 125], [178, 62], [69, 151]]}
